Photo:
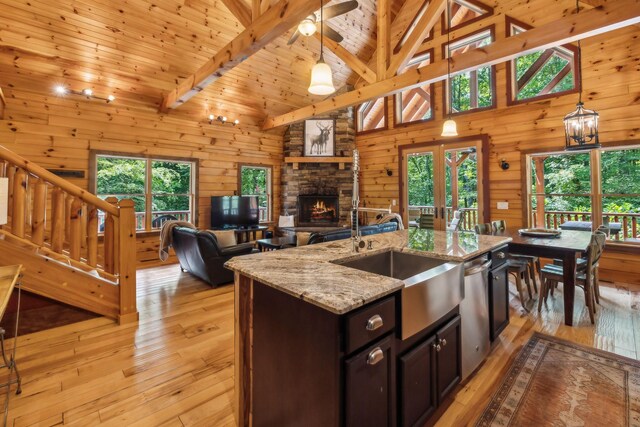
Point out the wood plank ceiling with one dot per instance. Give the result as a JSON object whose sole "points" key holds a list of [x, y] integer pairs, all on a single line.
{"points": [[138, 50]]}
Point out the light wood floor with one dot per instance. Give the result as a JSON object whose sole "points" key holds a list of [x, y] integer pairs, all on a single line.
{"points": [[175, 367]]}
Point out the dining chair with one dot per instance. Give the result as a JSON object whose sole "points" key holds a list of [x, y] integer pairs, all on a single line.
{"points": [[455, 222], [485, 228], [552, 274], [581, 264], [517, 268], [426, 221], [532, 261]]}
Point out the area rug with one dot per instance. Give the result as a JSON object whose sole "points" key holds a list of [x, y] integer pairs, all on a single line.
{"points": [[554, 382]]}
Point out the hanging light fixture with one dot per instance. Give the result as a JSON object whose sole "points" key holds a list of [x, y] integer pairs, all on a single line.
{"points": [[307, 26], [581, 125], [449, 128], [321, 76]]}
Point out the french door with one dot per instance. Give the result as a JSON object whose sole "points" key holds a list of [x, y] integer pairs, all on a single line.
{"points": [[440, 178]]}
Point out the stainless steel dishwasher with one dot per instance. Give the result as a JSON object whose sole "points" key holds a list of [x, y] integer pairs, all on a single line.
{"points": [[474, 311]]}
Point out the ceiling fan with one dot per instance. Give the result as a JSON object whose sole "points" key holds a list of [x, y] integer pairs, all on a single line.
{"points": [[309, 25]]}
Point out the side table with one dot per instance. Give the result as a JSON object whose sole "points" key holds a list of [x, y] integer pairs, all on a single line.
{"points": [[9, 280], [275, 243]]}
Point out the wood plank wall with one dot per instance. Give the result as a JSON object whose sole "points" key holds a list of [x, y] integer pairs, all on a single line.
{"points": [[611, 82], [59, 132]]}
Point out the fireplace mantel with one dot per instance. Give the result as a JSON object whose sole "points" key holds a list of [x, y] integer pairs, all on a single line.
{"points": [[341, 161]]}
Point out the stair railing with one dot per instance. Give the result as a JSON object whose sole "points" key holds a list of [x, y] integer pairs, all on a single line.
{"points": [[60, 219]]}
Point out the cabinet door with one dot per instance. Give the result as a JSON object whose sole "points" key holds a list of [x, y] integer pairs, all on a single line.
{"points": [[448, 357], [369, 386], [498, 301], [417, 379]]}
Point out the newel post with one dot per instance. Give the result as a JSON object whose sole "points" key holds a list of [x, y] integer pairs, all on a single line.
{"points": [[126, 260]]}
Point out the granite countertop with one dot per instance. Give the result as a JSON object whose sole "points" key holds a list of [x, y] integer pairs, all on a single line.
{"points": [[311, 273]]}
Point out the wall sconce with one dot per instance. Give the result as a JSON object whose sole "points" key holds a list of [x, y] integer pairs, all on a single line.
{"points": [[61, 90], [4, 200], [222, 119], [504, 165]]}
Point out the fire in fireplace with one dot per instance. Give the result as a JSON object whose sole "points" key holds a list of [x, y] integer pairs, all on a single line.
{"points": [[318, 210]]}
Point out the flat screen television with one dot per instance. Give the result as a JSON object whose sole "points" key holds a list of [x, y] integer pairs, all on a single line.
{"points": [[234, 211]]}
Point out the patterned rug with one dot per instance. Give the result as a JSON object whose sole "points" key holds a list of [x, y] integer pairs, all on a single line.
{"points": [[554, 382]]}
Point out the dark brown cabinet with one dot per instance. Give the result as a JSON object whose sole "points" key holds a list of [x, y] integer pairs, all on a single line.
{"points": [[428, 373], [370, 386], [498, 300], [417, 377], [448, 357], [315, 368]]}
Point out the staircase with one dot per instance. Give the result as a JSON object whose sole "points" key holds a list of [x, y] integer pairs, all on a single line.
{"points": [[53, 232]]}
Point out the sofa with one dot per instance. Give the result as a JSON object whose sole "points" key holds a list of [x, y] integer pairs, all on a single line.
{"points": [[200, 255], [365, 230]]}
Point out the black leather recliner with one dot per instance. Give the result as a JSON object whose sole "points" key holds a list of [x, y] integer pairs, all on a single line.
{"points": [[200, 255], [365, 230]]}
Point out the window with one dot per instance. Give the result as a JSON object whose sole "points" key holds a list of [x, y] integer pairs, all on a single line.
{"points": [[415, 105], [472, 90], [161, 189], [256, 181], [592, 188], [541, 74], [371, 115], [412, 26], [465, 12]]}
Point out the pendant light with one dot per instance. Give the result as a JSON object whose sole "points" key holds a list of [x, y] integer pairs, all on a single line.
{"points": [[449, 128], [321, 76], [581, 125]]}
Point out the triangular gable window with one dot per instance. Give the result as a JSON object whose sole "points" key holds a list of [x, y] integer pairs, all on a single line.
{"points": [[464, 12], [542, 74]]}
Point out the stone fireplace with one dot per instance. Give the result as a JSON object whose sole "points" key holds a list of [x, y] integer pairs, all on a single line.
{"points": [[325, 181], [318, 210]]}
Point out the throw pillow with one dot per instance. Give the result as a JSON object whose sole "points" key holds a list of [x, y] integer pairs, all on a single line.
{"points": [[302, 238], [225, 237]]}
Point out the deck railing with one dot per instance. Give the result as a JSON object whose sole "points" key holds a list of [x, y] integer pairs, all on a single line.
{"points": [[630, 222], [468, 216]]}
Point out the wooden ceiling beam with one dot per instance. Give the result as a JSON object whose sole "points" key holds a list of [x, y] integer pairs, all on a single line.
{"points": [[403, 18], [594, 3], [256, 9], [383, 38], [426, 23], [270, 25], [349, 59], [3, 104], [568, 29], [240, 10]]}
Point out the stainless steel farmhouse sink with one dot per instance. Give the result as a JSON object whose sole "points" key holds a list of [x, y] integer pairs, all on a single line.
{"points": [[433, 287]]}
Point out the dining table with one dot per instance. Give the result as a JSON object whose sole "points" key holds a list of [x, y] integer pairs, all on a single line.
{"points": [[567, 246]]}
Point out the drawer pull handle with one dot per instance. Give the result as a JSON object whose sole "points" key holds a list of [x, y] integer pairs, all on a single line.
{"points": [[375, 322], [437, 347], [496, 278], [500, 255], [375, 356], [443, 342]]}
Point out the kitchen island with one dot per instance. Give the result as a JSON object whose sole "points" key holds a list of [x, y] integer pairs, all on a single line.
{"points": [[310, 320]]}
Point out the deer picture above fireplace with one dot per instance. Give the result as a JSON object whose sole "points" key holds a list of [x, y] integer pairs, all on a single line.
{"points": [[316, 210], [319, 137]]}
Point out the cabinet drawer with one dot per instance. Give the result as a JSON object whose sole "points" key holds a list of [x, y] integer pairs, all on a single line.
{"points": [[499, 256], [369, 323]]}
